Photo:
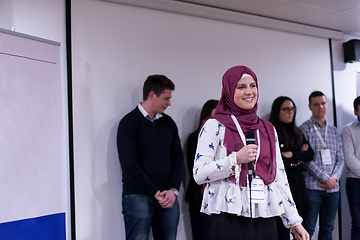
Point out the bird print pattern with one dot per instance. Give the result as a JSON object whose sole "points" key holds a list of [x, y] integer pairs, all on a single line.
{"points": [[213, 166]]}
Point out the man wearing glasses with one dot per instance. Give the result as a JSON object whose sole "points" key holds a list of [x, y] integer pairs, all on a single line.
{"points": [[323, 173]]}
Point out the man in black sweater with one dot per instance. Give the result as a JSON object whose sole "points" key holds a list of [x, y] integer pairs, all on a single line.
{"points": [[152, 164]]}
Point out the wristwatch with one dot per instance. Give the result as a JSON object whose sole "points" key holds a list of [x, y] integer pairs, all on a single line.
{"points": [[175, 191]]}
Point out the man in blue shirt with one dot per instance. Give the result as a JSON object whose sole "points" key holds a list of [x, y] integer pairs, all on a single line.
{"points": [[351, 141], [152, 164], [323, 173]]}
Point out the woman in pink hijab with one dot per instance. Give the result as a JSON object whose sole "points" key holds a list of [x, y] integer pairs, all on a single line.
{"points": [[243, 203]]}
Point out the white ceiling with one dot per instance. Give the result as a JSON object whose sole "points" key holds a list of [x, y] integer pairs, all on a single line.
{"points": [[340, 15]]}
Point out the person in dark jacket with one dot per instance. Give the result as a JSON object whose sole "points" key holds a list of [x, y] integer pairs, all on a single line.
{"points": [[295, 151], [152, 164], [200, 222]]}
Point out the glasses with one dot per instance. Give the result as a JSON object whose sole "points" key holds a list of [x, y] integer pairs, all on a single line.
{"points": [[287, 109]]}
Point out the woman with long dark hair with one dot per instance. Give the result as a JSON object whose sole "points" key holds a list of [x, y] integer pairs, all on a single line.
{"points": [[295, 150], [243, 204], [200, 222]]}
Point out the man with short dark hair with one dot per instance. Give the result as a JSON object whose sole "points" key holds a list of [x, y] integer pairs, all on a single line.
{"points": [[351, 141], [152, 164], [323, 173]]}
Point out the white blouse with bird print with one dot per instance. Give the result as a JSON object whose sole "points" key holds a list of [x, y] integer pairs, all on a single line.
{"points": [[213, 167]]}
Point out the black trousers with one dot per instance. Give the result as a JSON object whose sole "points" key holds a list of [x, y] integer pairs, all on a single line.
{"points": [[227, 226], [283, 232], [200, 222]]}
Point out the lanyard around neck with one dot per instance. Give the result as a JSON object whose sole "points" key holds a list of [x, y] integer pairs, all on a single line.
{"points": [[318, 133], [242, 136]]}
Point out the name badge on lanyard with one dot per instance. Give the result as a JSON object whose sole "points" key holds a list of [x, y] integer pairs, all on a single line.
{"points": [[257, 184], [325, 153], [257, 190], [326, 156]]}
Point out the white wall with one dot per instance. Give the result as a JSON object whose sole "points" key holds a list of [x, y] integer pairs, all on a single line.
{"points": [[347, 83], [347, 88], [116, 47]]}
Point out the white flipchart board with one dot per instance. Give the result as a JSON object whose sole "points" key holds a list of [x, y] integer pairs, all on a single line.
{"points": [[33, 142]]}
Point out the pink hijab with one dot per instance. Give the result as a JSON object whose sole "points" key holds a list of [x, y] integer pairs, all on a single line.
{"points": [[248, 120]]}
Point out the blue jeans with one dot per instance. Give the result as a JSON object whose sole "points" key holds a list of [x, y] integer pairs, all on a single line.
{"points": [[353, 194], [142, 212], [325, 204]]}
